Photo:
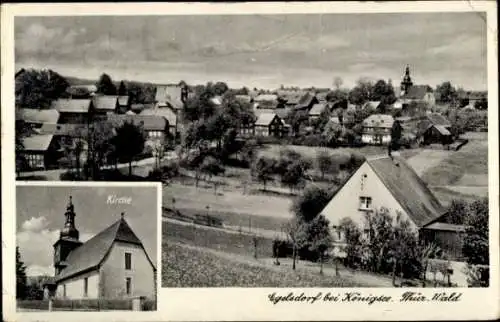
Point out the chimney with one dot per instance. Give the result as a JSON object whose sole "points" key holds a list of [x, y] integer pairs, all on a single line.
{"points": [[122, 215]]}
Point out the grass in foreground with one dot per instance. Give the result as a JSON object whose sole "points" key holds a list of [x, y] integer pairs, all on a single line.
{"points": [[186, 267], [217, 239]]}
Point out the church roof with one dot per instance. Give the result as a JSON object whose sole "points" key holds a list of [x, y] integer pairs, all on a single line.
{"points": [[91, 254]]}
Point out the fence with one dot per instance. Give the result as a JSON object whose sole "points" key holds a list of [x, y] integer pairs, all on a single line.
{"points": [[88, 304]]}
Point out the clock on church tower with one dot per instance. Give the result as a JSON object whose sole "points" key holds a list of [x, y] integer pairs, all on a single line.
{"points": [[68, 239]]}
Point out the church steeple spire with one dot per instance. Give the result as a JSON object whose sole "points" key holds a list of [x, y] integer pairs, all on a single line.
{"points": [[407, 82], [69, 230]]}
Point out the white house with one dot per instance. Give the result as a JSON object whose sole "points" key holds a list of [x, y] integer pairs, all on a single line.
{"points": [[111, 265], [391, 183], [377, 129]]}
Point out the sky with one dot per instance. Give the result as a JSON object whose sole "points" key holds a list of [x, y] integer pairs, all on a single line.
{"points": [[40, 217], [261, 51]]}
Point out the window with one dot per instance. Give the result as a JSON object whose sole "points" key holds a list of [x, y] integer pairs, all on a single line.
{"points": [[85, 287], [128, 261], [365, 203], [64, 290], [128, 285]]}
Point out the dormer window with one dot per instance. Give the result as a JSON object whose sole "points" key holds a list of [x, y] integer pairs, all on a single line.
{"points": [[365, 203]]}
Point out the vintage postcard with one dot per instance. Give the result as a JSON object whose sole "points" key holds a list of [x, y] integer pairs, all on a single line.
{"points": [[314, 161]]}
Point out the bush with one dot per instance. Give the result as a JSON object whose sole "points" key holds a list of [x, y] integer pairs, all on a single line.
{"points": [[71, 176], [478, 275], [149, 305]]}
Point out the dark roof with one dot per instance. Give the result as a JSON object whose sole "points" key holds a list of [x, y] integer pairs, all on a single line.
{"points": [[416, 92], [37, 142], [33, 115], [165, 112], [306, 100], [149, 122], [61, 129], [92, 253], [408, 189], [265, 119], [446, 227], [65, 105], [123, 100], [317, 109], [438, 119], [442, 130], [105, 102], [169, 94], [379, 120]]}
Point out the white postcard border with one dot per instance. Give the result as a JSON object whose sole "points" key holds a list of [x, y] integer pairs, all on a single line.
{"points": [[252, 303]]}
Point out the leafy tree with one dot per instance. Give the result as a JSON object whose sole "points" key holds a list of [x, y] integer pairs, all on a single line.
{"points": [[403, 248], [446, 93], [352, 235], [295, 232], [122, 89], [129, 142], [396, 135], [318, 232], [98, 136], [481, 104], [38, 88], [325, 162], [220, 88], [212, 167], [426, 252], [457, 212], [105, 85], [337, 82], [249, 151], [379, 224], [310, 203], [21, 280], [475, 246], [362, 92], [263, 170]]}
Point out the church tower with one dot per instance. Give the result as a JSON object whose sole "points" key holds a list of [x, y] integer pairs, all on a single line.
{"points": [[407, 82], [68, 239]]}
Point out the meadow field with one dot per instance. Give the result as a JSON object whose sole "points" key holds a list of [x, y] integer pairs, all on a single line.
{"points": [[188, 266]]}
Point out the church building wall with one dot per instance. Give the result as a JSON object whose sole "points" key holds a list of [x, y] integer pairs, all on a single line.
{"points": [[75, 287], [114, 275]]}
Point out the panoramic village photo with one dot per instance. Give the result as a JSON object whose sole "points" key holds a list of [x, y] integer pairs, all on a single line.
{"points": [[86, 248], [299, 150]]}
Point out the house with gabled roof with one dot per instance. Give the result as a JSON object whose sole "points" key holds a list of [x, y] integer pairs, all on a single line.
{"points": [[155, 126], [74, 111], [377, 129], [267, 101], [307, 101], [123, 103], [166, 113], [37, 117], [269, 124], [106, 104], [171, 96], [316, 110], [40, 151], [111, 265], [434, 128], [389, 182]]}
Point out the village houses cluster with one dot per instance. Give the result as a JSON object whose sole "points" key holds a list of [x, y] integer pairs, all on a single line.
{"points": [[55, 126]]}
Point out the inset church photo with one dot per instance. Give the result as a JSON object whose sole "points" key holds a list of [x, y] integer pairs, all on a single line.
{"points": [[86, 248]]}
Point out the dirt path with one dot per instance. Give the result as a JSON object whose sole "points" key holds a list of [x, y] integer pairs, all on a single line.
{"points": [[368, 280], [426, 160]]}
